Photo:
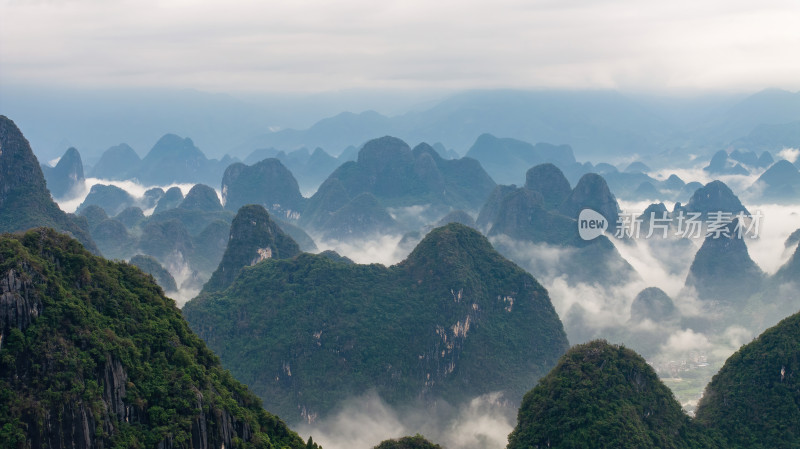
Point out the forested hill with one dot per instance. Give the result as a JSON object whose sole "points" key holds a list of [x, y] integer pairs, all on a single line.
{"points": [[604, 396], [754, 400], [92, 354], [454, 320]]}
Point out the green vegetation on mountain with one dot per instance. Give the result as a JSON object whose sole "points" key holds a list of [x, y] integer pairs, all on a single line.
{"points": [[192, 233], [297, 234], [754, 400], [522, 215], [491, 208], [25, 201], [94, 355], [452, 321], [209, 246], [194, 220], [603, 396], [253, 237], [546, 210], [330, 197]]}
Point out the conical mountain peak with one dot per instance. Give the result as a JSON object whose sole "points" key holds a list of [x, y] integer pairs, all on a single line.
{"points": [[254, 237], [25, 201]]}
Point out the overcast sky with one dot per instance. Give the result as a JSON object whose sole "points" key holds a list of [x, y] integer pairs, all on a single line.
{"points": [[314, 45]]}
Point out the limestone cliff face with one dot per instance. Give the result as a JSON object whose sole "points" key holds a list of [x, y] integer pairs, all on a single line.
{"points": [[19, 303], [92, 355]]}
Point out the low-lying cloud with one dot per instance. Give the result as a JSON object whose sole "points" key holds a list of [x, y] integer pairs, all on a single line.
{"points": [[135, 189], [790, 154], [362, 422], [380, 249]]}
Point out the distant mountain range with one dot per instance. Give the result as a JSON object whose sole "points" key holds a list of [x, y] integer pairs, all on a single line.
{"points": [[171, 160], [595, 124]]}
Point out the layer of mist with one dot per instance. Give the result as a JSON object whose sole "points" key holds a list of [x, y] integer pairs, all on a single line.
{"points": [[135, 189], [364, 421], [188, 281], [686, 353]]}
